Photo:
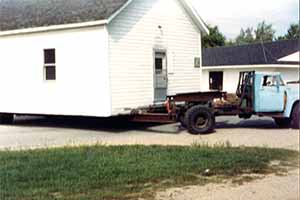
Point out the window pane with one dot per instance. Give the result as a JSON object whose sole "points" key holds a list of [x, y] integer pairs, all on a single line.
{"points": [[49, 56], [50, 73], [269, 81], [158, 65]]}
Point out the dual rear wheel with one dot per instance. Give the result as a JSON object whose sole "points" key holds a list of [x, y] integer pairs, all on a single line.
{"points": [[198, 120]]}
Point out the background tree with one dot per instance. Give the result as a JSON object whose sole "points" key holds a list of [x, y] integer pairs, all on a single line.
{"points": [[264, 32], [292, 33], [230, 42], [214, 39], [245, 37]]}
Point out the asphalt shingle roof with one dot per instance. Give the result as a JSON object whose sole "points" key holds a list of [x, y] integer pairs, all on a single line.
{"points": [[19, 14], [254, 54]]}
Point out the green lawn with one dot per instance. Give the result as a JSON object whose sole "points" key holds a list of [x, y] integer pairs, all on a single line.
{"points": [[119, 172]]}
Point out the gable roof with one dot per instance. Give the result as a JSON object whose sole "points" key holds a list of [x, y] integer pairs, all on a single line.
{"points": [[253, 54], [26, 14], [20, 14]]}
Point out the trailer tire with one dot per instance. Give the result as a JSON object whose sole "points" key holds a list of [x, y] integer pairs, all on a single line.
{"points": [[6, 118], [283, 122], [200, 120], [295, 121]]}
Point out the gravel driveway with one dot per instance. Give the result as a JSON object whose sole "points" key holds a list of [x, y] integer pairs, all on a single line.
{"points": [[40, 132]]}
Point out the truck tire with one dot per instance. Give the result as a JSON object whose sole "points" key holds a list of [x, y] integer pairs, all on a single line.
{"points": [[6, 118], [295, 121], [200, 120], [283, 122]]}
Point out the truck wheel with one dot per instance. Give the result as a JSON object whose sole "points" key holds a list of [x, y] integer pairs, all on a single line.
{"points": [[6, 118], [283, 122], [200, 120], [295, 123]]}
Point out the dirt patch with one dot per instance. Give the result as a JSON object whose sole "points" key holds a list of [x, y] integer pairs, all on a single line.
{"points": [[269, 187]]}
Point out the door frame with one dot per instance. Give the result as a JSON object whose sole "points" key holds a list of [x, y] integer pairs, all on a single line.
{"points": [[265, 93], [154, 51]]}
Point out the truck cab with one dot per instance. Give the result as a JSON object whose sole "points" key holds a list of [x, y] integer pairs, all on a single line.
{"points": [[266, 94]]}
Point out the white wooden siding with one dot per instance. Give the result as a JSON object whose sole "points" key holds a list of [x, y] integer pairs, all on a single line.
{"points": [[82, 85], [289, 74], [132, 37]]}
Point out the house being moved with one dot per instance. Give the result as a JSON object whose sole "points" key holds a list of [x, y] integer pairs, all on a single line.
{"points": [[222, 66], [96, 57]]}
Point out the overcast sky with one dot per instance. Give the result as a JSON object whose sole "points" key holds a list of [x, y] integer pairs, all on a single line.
{"points": [[231, 15]]}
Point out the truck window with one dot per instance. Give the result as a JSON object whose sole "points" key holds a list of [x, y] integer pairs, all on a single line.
{"points": [[269, 81]]}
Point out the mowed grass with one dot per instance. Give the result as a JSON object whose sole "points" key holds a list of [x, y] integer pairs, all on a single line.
{"points": [[121, 172]]}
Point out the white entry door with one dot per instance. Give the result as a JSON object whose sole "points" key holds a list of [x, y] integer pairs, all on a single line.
{"points": [[160, 77]]}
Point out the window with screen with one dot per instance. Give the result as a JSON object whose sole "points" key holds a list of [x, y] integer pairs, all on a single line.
{"points": [[49, 64]]}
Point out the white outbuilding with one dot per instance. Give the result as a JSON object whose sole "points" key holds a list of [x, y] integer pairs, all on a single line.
{"points": [[222, 65], [96, 57]]}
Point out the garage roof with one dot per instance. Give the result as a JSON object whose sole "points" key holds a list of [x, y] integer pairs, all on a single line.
{"points": [[253, 54]]}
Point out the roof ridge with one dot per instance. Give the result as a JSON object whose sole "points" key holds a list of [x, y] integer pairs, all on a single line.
{"points": [[258, 53], [252, 44]]}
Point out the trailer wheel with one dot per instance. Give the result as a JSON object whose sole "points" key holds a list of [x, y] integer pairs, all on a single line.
{"points": [[6, 118], [283, 122], [295, 123], [200, 120]]}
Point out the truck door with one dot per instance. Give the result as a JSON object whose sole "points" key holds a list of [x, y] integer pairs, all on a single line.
{"points": [[271, 94]]}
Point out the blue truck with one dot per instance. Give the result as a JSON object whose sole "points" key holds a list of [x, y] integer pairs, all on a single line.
{"points": [[258, 93]]}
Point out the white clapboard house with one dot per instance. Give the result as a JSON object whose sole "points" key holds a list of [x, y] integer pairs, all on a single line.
{"points": [[221, 66], [96, 57]]}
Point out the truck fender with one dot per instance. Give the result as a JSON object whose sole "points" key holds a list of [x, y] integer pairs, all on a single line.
{"points": [[292, 108]]}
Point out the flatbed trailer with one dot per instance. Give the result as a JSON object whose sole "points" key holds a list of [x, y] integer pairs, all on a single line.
{"points": [[178, 108]]}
